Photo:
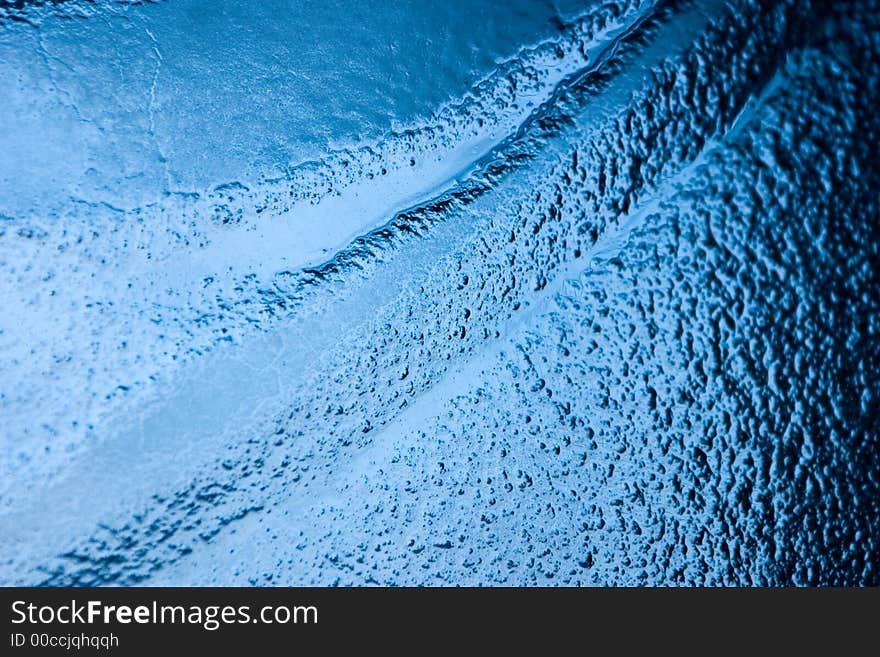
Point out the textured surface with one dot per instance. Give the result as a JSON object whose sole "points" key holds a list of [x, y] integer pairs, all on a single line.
{"points": [[633, 339]]}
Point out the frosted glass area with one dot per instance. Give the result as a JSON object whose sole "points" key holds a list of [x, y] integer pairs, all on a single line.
{"points": [[439, 293]]}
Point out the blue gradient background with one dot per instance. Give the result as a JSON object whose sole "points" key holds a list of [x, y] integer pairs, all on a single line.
{"points": [[443, 293]]}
